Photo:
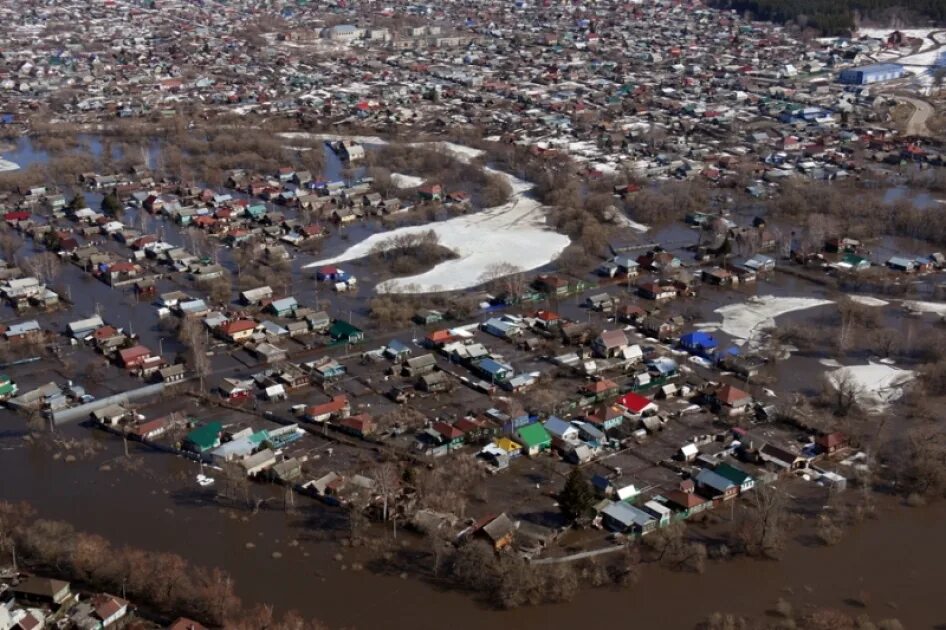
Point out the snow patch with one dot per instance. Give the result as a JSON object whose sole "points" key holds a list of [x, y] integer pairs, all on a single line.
{"points": [[743, 321], [7, 165], [514, 233], [406, 181], [876, 385], [867, 300], [925, 307]]}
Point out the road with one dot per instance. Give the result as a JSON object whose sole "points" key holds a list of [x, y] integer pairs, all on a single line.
{"points": [[916, 125]]}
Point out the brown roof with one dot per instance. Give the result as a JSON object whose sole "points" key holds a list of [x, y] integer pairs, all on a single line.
{"points": [[107, 606], [729, 395]]}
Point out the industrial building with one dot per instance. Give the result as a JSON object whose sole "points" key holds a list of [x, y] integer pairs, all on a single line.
{"points": [[865, 75]]}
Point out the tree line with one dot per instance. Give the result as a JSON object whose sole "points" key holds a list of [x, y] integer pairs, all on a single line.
{"points": [[836, 17], [165, 584]]}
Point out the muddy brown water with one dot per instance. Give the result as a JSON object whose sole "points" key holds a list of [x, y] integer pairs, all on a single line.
{"points": [[895, 561]]}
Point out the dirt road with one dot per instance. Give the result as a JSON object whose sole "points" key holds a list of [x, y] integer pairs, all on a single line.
{"points": [[916, 125]]}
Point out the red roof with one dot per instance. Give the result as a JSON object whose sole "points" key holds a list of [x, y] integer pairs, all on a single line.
{"points": [[333, 406], [729, 395], [183, 623], [635, 403], [448, 431], [134, 354], [237, 326]]}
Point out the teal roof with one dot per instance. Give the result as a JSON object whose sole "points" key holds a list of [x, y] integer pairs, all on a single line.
{"points": [[205, 436]]}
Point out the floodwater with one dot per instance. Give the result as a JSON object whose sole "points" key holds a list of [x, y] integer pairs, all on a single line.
{"points": [[894, 562]]}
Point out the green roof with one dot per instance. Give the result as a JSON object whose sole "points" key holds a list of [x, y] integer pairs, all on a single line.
{"points": [[206, 436], [732, 473], [533, 435], [343, 330]]}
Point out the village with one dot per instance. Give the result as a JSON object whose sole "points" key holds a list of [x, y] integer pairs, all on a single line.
{"points": [[558, 284]]}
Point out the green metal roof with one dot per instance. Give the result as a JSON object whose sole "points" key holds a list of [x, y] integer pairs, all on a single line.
{"points": [[533, 435], [205, 436]]}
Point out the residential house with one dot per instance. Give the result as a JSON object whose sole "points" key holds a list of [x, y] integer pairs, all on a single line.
{"points": [[715, 486], [534, 438], [610, 343]]}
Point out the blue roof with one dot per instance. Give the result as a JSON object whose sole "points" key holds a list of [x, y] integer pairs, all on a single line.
{"points": [[492, 366], [698, 338], [878, 68], [557, 426]]}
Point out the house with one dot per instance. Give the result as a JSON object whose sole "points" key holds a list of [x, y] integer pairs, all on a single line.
{"points": [[606, 417], [283, 307], [623, 517], [609, 343], [203, 438], [343, 332], [502, 328], [600, 389], [397, 350], [686, 501], [493, 370], [715, 486], [781, 459], [109, 609], [253, 297], [601, 302], [498, 531], [256, 463], [430, 192], [561, 430], [659, 511], [653, 290], [830, 443], [361, 425], [319, 322], [327, 369], [730, 400], [898, 263], [448, 434], [434, 382], [418, 366], [134, 357], [42, 590], [237, 330], [736, 475], [699, 343], [637, 405], [337, 407], [270, 353], [534, 438], [552, 285]]}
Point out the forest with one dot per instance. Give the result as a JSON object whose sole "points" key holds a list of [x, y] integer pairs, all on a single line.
{"points": [[839, 17]]}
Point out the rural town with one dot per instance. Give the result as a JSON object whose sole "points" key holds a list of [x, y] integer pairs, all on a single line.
{"points": [[494, 312]]}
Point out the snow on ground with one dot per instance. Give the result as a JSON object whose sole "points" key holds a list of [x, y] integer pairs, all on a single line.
{"points": [[883, 33], [743, 321], [867, 300], [514, 233], [330, 137], [925, 307], [459, 151], [927, 59], [7, 165], [876, 384], [626, 221], [406, 181]]}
